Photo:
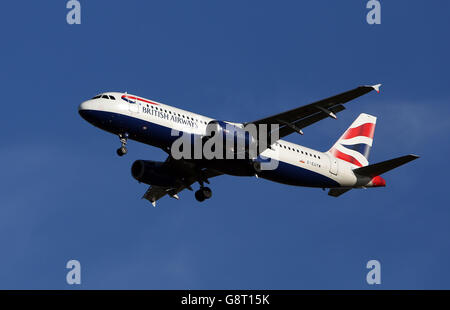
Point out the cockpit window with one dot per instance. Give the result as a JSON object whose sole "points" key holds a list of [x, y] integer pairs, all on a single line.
{"points": [[104, 96]]}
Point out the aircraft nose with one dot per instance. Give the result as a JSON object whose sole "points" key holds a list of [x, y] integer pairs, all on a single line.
{"points": [[84, 106], [86, 109]]}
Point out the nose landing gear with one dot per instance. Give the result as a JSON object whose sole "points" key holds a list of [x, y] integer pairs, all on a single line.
{"points": [[123, 149], [203, 193]]}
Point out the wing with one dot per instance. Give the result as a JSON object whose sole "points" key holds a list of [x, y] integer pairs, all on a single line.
{"points": [[154, 193], [297, 119]]}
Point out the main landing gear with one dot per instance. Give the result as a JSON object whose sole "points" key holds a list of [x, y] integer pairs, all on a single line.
{"points": [[123, 149], [203, 193]]}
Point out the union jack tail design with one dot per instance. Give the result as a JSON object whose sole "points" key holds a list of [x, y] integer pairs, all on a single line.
{"points": [[354, 145]]}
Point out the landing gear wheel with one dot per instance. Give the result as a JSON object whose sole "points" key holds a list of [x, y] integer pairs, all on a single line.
{"points": [[199, 195], [203, 194], [123, 140], [122, 151], [207, 193]]}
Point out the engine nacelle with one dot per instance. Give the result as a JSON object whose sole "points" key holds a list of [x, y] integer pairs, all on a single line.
{"points": [[153, 173], [234, 139]]}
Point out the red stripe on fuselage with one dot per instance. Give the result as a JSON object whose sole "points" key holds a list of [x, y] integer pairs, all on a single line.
{"points": [[346, 157], [140, 99], [365, 130]]}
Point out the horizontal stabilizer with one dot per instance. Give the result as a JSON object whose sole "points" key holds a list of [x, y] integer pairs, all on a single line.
{"points": [[336, 192], [384, 166]]}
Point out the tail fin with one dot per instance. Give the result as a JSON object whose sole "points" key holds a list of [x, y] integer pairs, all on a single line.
{"points": [[355, 144]]}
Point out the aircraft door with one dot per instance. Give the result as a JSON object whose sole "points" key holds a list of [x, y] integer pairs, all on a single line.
{"points": [[333, 164], [133, 105]]}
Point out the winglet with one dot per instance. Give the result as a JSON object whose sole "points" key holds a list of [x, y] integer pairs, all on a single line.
{"points": [[377, 87]]}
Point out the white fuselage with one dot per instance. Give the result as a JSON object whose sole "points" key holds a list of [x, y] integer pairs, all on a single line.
{"points": [[156, 120]]}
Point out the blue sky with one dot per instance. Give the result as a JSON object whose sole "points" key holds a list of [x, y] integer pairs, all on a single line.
{"points": [[66, 195]]}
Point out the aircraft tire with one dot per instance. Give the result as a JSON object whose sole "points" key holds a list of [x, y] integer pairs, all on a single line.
{"points": [[121, 151], [199, 195], [207, 193]]}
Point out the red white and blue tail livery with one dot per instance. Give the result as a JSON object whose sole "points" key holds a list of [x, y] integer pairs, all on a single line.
{"points": [[355, 144], [343, 167]]}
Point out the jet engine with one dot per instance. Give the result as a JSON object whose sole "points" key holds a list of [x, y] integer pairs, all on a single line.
{"points": [[233, 138], [154, 173]]}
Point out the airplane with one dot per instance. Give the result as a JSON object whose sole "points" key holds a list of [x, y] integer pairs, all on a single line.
{"points": [[343, 167]]}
